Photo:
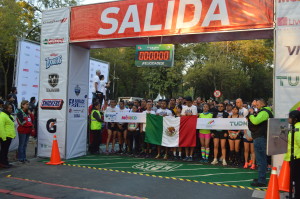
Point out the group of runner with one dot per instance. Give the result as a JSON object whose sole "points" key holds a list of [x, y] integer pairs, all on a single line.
{"points": [[131, 136]]}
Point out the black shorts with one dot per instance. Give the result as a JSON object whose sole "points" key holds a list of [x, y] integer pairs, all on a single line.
{"points": [[112, 126], [121, 127], [220, 134], [245, 140]]}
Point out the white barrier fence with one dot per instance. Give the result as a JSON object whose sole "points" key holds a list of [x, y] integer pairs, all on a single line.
{"points": [[202, 123]]}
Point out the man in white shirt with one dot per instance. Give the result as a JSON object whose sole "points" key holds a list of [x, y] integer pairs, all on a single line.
{"points": [[146, 146], [122, 128], [96, 83], [189, 110], [102, 89], [163, 111], [242, 111]]}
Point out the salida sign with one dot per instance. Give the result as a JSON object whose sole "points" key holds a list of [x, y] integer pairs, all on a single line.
{"points": [[135, 18]]}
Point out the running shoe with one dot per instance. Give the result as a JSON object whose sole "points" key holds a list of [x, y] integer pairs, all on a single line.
{"points": [[250, 163], [224, 163], [190, 159], [158, 156], [252, 167], [246, 165], [175, 157], [186, 158], [215, 161], [258, 184], [165, 156], [202, 161], [113, 151], [206, 161], [106, 152]]}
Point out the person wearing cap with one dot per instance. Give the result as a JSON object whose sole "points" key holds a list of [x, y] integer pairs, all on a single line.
{"points": [[7, 133], [259, 135], [294, 119]]}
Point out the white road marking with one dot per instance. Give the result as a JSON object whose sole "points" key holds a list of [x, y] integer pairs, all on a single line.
{"points": [[210, 174]]}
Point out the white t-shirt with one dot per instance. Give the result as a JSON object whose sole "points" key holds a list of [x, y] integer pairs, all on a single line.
{"points": [[96, 80], [186, 110], [163, 112], [101, 87], [110, 109], [243, 112]]}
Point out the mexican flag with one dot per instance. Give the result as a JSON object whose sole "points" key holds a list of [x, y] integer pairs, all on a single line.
{"points": [[171, 131]]}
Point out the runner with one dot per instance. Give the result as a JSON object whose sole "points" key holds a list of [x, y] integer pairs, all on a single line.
{"points": [[249, 147], [122, 129], [234, 140], [163, 111], [111, 127], [179, 149], [147, 148], [189, 110], [242, 110], [133, 135], [220, 135], [205, 135]]}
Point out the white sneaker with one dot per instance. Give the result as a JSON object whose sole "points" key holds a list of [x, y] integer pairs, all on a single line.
{"points": [[224, 162], [214, 162]]}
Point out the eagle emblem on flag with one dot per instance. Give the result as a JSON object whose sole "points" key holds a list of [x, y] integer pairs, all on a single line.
{"points": [[171, 131]]}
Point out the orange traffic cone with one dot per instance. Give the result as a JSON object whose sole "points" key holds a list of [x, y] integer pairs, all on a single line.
{"points": [[284, 177], [55, 156], [273, 190]]}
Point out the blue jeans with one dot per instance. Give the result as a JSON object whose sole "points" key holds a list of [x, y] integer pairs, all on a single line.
{"points": [[23, 140], [260, 145]]}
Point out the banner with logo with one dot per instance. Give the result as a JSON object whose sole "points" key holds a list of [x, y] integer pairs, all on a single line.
{"points": [[287, 70], [77, 102], [27, 70], [202, 123], [53, 80], [97, 65], [135, 18]]}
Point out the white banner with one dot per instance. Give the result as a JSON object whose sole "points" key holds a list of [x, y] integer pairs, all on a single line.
{"points": [[287, 70], [202, 123], [28, 66], [53, 80], [77, 102], [97, 65]]}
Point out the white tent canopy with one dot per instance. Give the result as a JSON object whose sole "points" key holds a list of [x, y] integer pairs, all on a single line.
{"points": [[159, 97]]}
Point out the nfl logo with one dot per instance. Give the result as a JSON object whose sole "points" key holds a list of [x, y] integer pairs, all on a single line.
{"points": [[53, 79], [77, 90]]}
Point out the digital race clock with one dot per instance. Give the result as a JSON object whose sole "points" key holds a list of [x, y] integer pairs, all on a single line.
{"points": [[154, 55]]}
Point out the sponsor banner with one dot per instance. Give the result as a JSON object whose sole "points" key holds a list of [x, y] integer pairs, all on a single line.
{"points": [[28, 66], [77, 102], [222, 123], [202, 123], [53, 80], [135, 18], [97, 65], [288, 13], [287, 56]]}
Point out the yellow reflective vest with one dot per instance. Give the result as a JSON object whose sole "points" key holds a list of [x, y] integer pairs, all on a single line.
{"points": [[7, 126], [95, 125], [287, 156]]}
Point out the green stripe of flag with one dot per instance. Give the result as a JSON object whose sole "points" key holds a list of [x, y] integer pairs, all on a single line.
{"points": [[154, 129]]}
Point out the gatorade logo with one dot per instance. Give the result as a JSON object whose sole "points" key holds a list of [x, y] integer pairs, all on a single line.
{"points": [[51, 125]]}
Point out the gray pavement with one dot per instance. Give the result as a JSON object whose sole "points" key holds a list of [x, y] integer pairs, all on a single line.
{"points": [[72, 182]]}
